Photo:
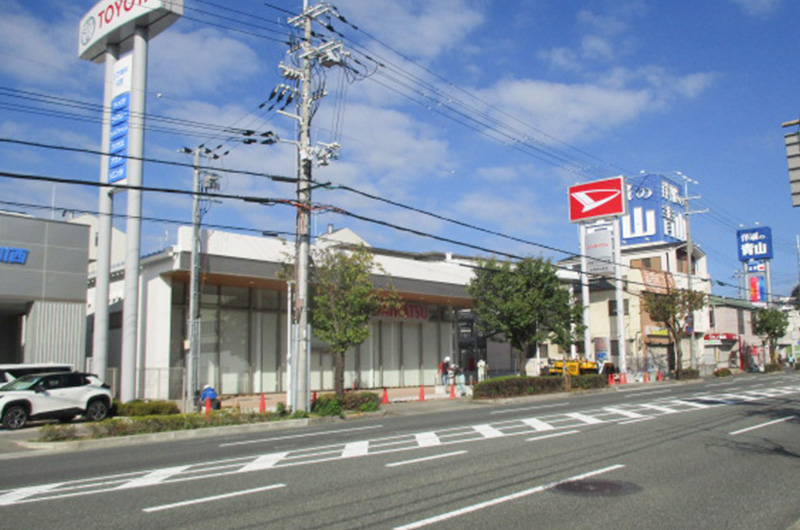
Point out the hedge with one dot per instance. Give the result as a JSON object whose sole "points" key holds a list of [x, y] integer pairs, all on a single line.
{"points": [[722, 372], [772, 367], [144, 408], [514, 385], [329, 405]]}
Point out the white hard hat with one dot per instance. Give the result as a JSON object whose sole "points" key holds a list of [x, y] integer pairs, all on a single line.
{"points": [[447, 359], [207, 386]]}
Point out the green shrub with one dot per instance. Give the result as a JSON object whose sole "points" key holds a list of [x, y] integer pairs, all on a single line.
{"points": [[327, 405], [772, 367], [359, 400], [145, 408], [722, 372], [589, 381], [515, 385], [58, 433], [688, 373]]}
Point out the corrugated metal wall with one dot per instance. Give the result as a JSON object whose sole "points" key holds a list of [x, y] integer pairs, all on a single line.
{"points": [[55, 332]]}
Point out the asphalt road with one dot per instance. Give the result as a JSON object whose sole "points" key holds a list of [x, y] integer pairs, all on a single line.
{"points": [[717, 455]]}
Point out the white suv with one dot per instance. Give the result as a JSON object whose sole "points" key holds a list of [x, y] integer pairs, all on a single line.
{"points": [[60, 396]]}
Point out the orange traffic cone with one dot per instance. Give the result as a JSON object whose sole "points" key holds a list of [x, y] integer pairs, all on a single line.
{"points": [[452, 391], [646, 377], [659, 377], [623, 379], [208, 406], [262, 404], [610, 379], [422, 392], [385, 400]]}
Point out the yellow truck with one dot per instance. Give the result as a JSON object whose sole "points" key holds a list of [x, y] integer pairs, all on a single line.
{"points": [[574, 367]]}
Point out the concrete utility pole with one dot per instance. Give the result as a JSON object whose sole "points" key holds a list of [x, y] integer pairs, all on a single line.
{"points": [[325, 55], [689, 252], [193, 359]]}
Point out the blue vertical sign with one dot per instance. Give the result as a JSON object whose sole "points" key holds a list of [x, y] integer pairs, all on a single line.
{"points": [[119, 124]]}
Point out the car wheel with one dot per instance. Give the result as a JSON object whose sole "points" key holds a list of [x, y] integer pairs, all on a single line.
{"points": [[97, 410], [15, 417]]}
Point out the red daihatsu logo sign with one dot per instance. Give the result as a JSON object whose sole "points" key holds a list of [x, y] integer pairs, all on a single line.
{"points": [[601, 198]]}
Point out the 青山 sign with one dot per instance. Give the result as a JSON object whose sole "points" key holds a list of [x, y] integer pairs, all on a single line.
{"points": [[114, 22], [754, 243], [654, 215], [601, 198]]}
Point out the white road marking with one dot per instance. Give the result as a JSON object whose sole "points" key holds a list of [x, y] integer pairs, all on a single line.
{"points": [[509, 411], [589, 420], [626, 413], [15, 496], [636, 392], [427, 439], [263, 462], [643, 418], [663, 410], [487, 431], [212, 498], [506, 498], [760, 425], [156, 477], [554, 435], [537, 424], [306, 435], [426, 459], [355, 449]]}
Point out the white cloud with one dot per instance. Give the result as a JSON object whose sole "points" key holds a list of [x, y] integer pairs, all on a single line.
{"points": [[204, 61], [35, 51], [757, 7], [420, 28], [577, 111]]}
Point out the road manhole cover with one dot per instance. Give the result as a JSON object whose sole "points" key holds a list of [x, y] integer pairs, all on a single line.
{"points": [[598, 488]]}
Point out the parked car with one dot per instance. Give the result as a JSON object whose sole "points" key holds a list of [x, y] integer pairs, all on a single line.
{"points": [[61, 396], [9, 372]]}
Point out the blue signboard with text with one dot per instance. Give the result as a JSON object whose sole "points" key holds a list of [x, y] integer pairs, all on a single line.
{"points": [[655, 211], [754, 243]]}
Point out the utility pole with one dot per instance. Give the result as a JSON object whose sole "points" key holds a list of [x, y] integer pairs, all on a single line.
{"points": [[200, 185], [328, 54], [689, 252]]}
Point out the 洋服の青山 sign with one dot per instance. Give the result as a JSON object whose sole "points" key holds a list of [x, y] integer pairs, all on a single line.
{"points": [[114, 22], [601, 198]]}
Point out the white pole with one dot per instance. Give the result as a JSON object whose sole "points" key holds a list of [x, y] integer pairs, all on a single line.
{"points": [[134, 222], [585, 297], [623, 366], [105, 209]]}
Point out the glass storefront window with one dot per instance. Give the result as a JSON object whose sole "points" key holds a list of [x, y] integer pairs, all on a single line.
{"points": [[209, 295], [266, 299], [235, 297]]}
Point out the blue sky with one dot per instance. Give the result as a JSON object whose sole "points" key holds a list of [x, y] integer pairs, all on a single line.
{"points": [[577, 90]]}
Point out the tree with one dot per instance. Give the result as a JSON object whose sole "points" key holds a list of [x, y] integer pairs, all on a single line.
{"points": [[796, 297], [770, 324], [672, 309], [343, 300], [524, 302]]}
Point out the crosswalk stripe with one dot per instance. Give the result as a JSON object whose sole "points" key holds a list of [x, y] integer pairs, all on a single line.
{"points": [[539, 425], [264, 462], [427, 439], [156, 477], [625, 413], [355, 449], [487, 431], [589, 420]]}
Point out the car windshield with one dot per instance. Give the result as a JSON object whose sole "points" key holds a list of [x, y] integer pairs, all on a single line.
{"points": [[25, 382]]}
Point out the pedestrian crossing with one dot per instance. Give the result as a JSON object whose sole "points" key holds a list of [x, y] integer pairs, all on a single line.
{"points": [[550, 423]]}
